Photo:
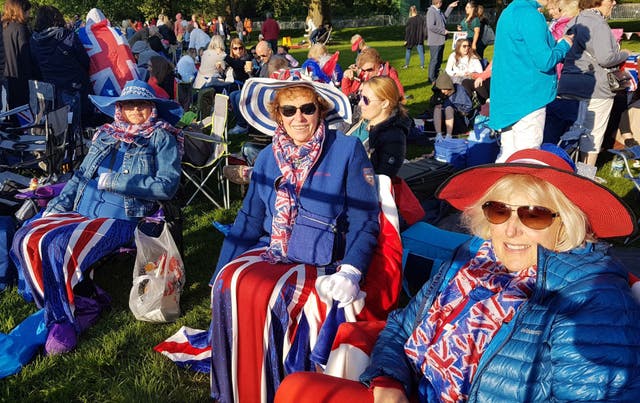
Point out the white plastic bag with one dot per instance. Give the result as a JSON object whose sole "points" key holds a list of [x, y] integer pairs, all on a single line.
{"points": [[158, 278]]}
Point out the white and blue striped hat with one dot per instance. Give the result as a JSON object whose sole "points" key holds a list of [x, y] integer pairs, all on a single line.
{"points": [[258, 92]]}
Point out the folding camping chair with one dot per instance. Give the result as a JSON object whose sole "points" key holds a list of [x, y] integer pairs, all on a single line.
{"points": [[43, 142], [629, 155], [205, 155], [431, 243]]}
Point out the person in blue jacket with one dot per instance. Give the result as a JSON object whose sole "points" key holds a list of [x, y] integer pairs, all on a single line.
{"points": [[132, 164], [532, 309], [312, 203]]}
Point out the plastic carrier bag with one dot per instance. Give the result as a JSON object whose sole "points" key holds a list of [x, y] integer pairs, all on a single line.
{"points": [[158, 278]]}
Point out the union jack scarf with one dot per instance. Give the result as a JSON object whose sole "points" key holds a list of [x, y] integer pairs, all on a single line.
{"points": [[295, 163], [126, 132], [448, 344]]}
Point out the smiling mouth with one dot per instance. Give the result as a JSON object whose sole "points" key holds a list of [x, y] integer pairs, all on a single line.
{"points": [[515, 247]]}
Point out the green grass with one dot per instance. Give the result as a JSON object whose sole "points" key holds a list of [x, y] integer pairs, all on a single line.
{"points": [[114, 361]]}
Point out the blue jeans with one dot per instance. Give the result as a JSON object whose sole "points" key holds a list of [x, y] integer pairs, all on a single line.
{"points": [[435, 60], [407, 55]]}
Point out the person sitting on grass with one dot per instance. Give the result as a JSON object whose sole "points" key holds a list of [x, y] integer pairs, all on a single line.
{"points": [[450, 99]]}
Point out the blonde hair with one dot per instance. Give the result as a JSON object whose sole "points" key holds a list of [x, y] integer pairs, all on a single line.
{"points": [[297, 91], [386, 89], [216, 43], [574, 226], [316, 51], [569, 8]]}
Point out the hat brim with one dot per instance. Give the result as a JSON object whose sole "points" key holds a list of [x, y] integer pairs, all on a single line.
{"points": [[258, 92], [607, 214], [168, 110]]}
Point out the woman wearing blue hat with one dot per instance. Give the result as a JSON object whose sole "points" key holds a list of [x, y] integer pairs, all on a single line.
{"points": [[132, 164]]}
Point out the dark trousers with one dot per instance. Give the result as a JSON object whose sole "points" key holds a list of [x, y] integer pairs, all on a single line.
{"points": [[435, 60]]}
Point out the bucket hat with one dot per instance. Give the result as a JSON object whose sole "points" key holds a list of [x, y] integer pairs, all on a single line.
{"points": [[258, 92], [135, 90], [607, 214]]}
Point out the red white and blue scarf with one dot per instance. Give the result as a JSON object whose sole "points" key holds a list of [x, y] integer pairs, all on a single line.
{"points": [[126, 132], [295, 163], [448, 344]]}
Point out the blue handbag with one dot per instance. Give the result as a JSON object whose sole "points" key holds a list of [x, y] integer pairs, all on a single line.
{"points": [[313, 238]]}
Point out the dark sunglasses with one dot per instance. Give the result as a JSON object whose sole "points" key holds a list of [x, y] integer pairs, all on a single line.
{"points": [[534, 217], [290, 110], [366, 100], [237, 47]]}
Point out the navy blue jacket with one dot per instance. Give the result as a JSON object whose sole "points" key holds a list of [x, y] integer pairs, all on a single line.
{"points": [[576, 339], [339, 184]]}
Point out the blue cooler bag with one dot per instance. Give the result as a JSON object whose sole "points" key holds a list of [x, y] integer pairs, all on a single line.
{"points": [[483, 146], [452, 151]]}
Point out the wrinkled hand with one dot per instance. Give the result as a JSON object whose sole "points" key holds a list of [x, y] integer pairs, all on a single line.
{"points": [[349, 73], [103, 180], [478, 82], [343, 286], [454, 4], [389, 395]]}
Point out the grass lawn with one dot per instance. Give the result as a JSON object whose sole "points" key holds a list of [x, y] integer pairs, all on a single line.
{"points": [[114, 361]]}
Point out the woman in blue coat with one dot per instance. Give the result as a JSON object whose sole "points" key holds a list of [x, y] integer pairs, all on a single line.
{"points": [[532, 309]]}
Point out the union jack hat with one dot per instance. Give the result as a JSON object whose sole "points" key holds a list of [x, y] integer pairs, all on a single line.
{"points": [[136, 90], [257, 93]]}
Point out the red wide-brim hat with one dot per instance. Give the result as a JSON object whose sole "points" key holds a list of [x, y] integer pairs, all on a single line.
{"points": [[607, 214]]}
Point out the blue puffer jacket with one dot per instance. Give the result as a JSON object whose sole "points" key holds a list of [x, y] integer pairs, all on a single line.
{"points": [[340, 184], [150, 172], [576, 339]]}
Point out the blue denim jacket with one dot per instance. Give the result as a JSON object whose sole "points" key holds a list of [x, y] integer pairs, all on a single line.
{"points": [[150, 172]]}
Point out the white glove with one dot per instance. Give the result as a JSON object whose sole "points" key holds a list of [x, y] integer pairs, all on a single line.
{"points": [[104, 179], [343, 285]]}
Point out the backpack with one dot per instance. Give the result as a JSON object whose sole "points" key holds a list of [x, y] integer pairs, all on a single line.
{"points": [[488, 36]]}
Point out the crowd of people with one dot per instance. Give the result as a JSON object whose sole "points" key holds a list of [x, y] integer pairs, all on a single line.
{"points": [[515, 315]]}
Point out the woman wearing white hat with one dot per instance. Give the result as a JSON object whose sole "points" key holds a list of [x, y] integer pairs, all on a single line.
{"points": [[132, 164]]}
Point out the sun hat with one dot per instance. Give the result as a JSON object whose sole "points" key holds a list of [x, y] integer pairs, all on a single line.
{"points": [[133, 90], [258, 92], [608, 215]]}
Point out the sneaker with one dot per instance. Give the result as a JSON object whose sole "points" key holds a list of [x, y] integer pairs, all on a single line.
{"points": [[238, 174], [405, 66], [62, 338], [422, 67], [630, 142], [237, 129]]}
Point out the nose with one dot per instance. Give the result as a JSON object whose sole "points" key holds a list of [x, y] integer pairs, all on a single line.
{"points": [[513, 226]]}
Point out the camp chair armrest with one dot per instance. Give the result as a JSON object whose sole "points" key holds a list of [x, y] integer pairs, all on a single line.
{"points": [[211, 138]]}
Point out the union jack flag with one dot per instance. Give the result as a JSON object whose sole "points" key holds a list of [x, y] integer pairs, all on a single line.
{"points": [[111, 62]]}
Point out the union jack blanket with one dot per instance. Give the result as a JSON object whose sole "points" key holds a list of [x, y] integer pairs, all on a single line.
{"points": [[52, 253], [270, 320]]}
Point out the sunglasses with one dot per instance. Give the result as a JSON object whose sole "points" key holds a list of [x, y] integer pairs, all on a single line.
{"points": [[366, 100], [290, 110], [534, 217], [237, 47], [135, 104]]}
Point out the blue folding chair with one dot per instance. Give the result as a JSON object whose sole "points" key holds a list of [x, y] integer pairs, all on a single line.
{"points": [[429, 242]]}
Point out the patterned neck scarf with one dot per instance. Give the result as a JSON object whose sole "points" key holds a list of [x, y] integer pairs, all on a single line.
{"points": [[448, 344], [295, 163], [126, 132]]}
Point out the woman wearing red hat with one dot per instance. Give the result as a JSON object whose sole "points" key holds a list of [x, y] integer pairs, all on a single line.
{"points": [[531, 309]]}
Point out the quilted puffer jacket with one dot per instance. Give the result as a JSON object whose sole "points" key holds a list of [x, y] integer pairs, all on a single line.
{"points": [[577, 338]]}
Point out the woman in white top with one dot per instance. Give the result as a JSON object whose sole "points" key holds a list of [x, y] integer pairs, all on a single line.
{"points": [[462, 62], [212, 64]]}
